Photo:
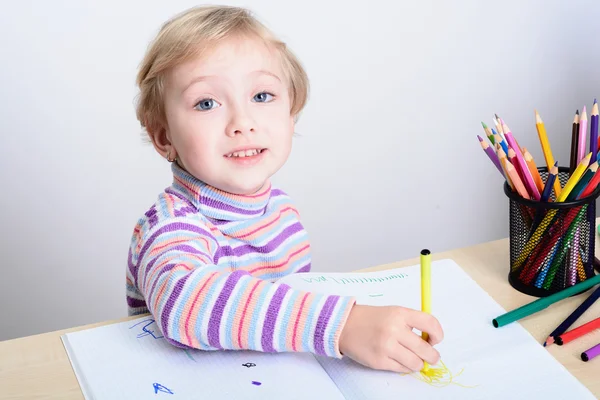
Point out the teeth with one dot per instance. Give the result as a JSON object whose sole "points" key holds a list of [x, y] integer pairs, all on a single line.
{"points": [[246, 153]]}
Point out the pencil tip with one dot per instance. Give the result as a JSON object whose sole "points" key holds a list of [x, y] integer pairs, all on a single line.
{"points": [[484, 125], [595, 100]]}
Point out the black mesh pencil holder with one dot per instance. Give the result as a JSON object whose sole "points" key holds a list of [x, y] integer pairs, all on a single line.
{"points": [[552, 245]]}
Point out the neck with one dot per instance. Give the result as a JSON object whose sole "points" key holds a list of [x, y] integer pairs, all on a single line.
{"points": [[217, 204]]}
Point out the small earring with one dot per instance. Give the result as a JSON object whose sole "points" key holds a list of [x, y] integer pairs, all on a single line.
{"points": [[169, 157]]}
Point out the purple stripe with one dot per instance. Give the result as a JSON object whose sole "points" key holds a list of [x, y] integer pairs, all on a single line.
{"points": [[277, 192], [164, 269], [306, 268], [217, 311], [132, 302], [182, 212], [172, 227], [271, 318], [322, 324], [171, 300], [272, 245]]}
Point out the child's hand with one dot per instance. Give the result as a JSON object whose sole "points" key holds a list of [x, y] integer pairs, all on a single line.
{"points": [[382, 338]]}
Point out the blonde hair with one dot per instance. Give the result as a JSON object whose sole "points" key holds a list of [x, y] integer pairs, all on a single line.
{"points": [[187, 35]]}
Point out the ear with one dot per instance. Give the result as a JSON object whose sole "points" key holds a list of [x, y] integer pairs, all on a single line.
{"points": [[161, 140]]}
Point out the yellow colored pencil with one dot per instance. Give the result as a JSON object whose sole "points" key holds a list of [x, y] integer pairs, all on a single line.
{"points": [[541, 129], [577, 174], [425, 290]]}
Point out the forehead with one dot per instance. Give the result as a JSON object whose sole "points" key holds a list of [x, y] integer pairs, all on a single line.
{"points": [[232, 57]]}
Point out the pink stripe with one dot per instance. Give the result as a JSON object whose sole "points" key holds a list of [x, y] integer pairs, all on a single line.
{"points": [[276, 219], [239, 338], [297, 322], [282, 263], [191, 312]]}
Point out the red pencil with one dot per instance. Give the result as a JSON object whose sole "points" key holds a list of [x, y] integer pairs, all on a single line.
{"points": [[578, 332]]}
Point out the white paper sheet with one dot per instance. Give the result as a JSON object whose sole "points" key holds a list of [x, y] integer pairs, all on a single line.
{"points": [[131, 360], [496, 363]]}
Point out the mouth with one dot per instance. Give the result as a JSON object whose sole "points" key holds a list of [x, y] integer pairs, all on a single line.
{"points": [[244, 153]]}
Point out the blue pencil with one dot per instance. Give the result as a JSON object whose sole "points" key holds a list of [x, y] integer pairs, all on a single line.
{"points": [[570, 320]]}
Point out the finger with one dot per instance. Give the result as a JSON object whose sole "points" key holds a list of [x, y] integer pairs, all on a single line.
{"points": [[407, 358], [392, 365], [420, 348], [426, 323]]}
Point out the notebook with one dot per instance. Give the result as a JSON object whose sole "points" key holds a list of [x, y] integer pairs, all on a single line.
{"points": [[132, 360]]}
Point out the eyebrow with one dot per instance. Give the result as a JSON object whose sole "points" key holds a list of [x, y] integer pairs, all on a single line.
{"points": [[209, 77]]}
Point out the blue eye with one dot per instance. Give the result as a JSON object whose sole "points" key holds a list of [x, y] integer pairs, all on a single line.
{"points": [[206, 104], [263, 97]]}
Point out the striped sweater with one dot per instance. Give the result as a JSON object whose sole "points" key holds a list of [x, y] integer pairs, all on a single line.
{"points": [[205, 264]]}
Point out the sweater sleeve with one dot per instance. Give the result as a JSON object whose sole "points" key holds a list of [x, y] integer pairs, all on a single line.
{"points": [[198, 304]]}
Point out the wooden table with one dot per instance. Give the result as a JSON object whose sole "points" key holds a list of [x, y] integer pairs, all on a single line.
{"points": [[37, 367]]}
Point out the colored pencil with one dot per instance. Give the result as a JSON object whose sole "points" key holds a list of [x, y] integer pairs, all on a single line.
{"points": [[514, 177], [491, 153], [425, 259], [502, 159], [488, 133], [574, 178], [583, 182], [576, 333], [591, 186], [594, 131], [549, 217], [570, 320], [582, 135], [574, 139], [522, 165], [591, 353], [500, 140], [547, 191], [541, 130], [537, 179], [544, 302]]}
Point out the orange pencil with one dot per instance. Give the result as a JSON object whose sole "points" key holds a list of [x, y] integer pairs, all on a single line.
{"points": [[514, 177], [502, 158], [578, 332], [533, 169]]}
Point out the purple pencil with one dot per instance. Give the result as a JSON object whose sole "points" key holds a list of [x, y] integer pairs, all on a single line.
{"points": [[582, 135], [591, 353], [594, 132], [491, 154]]}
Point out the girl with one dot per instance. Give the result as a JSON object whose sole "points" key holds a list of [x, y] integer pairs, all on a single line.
{"points": [[219, 98]]}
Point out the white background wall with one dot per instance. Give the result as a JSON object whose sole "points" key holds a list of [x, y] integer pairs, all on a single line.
{"points": [[387, 161]]}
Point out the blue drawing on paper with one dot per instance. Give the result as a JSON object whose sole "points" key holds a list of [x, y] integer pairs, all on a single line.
{"points": [[160, 388], [148, 329]]}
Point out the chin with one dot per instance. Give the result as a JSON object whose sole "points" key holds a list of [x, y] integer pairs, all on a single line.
{"points": [[246, 188]]}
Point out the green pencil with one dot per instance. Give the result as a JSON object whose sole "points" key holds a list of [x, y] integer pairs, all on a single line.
{"points": [[540, 304]]}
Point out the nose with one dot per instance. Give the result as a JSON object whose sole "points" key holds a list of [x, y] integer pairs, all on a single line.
{"points": [[241, 122]]}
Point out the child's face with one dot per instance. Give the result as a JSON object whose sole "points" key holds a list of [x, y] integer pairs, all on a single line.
{"points": [[232, 100]]}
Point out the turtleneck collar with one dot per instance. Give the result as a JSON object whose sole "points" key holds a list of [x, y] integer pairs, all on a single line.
{"points": [[218, 204]]}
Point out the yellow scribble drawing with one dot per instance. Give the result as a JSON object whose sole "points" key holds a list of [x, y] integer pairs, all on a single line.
{"points": [[438, 376]]}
